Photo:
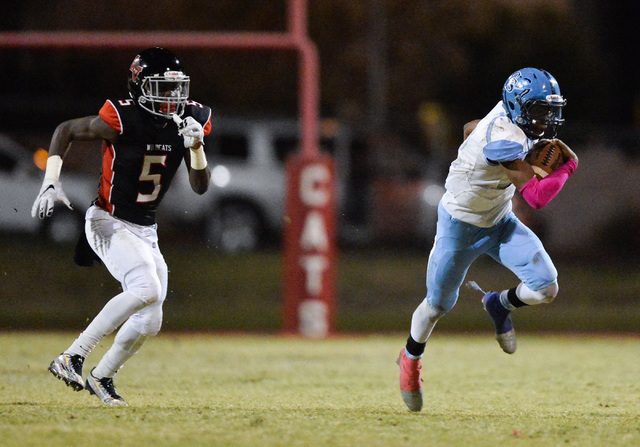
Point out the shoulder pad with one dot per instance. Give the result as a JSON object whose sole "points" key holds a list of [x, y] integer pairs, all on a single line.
{"points": [[200, 113], [503, 150]]}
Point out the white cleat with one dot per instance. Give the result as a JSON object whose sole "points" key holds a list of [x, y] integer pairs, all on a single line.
{"points": [[105, 391], [68, 368], [507, 341]]}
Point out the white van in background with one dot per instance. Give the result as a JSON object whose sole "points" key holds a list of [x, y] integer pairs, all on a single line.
{"points": [[20, 182], [244, 205]]}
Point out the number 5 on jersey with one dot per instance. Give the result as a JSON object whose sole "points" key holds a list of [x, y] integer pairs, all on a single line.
{"points": [[147, 176]]}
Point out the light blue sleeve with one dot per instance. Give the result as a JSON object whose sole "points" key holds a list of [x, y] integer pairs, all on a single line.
{"points": [[503, 150]]}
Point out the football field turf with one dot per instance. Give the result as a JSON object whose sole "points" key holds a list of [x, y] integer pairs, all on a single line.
{"points": [[266, 390]]}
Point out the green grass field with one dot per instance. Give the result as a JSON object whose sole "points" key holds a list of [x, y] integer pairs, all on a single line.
{"points": [[265, 390]]}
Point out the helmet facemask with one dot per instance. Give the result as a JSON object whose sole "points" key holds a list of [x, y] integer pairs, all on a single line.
{"points": [[532, 100], [541, 118], [165, 95]]}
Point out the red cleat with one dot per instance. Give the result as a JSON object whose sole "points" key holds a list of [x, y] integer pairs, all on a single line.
{"points": [[410, 381]]}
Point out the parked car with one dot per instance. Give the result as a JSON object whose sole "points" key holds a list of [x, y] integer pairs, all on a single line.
{"points": [[20, 182], [244, 205], [404, 212]]}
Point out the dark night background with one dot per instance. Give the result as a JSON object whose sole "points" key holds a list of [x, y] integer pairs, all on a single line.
{"points": [[456, 53], [403, 75]]}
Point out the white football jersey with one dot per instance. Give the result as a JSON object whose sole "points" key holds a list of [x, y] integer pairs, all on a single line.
{"points": [[477, 189]]}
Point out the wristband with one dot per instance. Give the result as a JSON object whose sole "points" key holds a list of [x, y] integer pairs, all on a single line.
{"points": [[198, 159], [54, 166]]}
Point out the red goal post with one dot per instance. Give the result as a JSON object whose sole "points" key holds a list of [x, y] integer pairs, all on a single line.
{"points": [[294, 39]]}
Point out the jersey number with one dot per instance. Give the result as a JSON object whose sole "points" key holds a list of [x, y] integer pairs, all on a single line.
{"points": [[146, 176]]}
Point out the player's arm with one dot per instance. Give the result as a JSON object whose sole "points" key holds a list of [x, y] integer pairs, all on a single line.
{"points": [[198, 175], [468, 128], [79, 129], [193, 134], [508, 153], [519, 172], [538, 193]]}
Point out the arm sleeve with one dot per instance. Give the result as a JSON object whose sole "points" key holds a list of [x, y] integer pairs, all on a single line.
{"points": [[109, 115], [538, 193], [207, 127]]}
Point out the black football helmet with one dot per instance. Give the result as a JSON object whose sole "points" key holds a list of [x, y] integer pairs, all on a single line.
{"points": [[157, 82]]}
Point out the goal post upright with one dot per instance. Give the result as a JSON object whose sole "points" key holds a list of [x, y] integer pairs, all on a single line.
{"points": [[315, 173], [309, 78]]}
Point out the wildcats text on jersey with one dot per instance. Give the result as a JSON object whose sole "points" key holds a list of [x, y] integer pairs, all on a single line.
{"points": [[159, 147]]}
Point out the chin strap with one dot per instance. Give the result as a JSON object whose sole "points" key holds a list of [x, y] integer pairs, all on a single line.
{"points": [[538, 193]]}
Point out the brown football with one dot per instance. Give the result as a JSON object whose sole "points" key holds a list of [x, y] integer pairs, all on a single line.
{"points": [[545, 158]]}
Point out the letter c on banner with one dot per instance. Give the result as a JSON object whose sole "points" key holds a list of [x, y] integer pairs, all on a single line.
{"points": [[313, 185]]}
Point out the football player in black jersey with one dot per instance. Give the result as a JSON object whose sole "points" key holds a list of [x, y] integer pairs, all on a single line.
{"points": [[144, 140]]}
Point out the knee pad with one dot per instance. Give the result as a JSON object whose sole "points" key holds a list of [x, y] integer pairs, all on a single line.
{"points": [[425, 311], [441, 302], [148, 321], [549, 293], [145, 285]]}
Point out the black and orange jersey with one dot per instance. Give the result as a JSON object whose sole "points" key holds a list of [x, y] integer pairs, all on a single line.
{"points": [[138, 168]]}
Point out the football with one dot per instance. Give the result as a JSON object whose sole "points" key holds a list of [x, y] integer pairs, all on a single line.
{"points": [[545, 158]]}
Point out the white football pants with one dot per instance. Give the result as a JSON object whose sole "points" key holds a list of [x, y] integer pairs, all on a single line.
{"points": [[131, 254]]}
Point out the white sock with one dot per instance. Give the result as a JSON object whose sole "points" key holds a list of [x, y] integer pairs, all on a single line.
{"points": [[126, 344], [112, 315], [423, 321]]}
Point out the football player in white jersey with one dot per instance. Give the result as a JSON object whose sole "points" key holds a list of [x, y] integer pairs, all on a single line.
{"points": [[475, 217]]}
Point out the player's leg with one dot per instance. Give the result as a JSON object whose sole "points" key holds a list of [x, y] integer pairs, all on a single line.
{"points": [[138, 328], [101, 231], [522, 252], [452, 254], [448, 265], [68, 365], [126, 343], [131, 262], [456, 246]]}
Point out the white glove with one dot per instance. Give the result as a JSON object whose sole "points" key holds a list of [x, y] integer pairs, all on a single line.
{"points": [[50, 193], [191, 131]]}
